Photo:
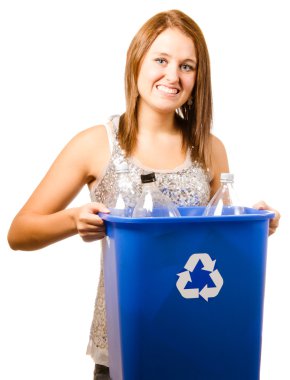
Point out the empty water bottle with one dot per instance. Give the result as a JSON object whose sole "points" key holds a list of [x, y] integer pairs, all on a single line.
{"points": [[152, 202], [122, 199], [225, 200]]}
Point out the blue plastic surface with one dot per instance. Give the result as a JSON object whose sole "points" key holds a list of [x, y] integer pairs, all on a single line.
{"points": [[172, 317]]}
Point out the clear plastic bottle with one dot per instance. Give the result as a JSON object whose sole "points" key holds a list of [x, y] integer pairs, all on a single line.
{"points": [[152, 202], [225, 200], [121, 202]]}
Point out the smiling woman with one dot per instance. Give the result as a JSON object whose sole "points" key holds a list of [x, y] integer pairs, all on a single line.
{"points": [[166, 79], [176, 43], [166, 128]]}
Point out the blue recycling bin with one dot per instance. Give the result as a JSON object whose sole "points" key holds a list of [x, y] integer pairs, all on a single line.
{"points": [[184, 296]]}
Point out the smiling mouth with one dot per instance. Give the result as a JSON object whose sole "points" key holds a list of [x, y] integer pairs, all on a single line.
{"points": [[167, 90]]}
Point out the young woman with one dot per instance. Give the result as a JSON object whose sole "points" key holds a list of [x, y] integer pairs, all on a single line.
{"points": [[166, 128]]}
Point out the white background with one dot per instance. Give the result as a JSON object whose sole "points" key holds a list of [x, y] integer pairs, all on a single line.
{"points": [[62, 65]]}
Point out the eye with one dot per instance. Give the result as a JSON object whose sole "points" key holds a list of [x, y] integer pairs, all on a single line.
{"points": [[161, 61], [186, 67]]}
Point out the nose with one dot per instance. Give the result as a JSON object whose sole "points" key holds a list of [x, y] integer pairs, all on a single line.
{"points": [[171, 74]]}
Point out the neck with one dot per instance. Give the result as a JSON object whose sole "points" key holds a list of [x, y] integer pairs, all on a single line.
{"points": [[151, 121]]}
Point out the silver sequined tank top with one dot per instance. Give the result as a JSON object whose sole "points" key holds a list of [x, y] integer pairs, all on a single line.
{"points": [[186, 185]]}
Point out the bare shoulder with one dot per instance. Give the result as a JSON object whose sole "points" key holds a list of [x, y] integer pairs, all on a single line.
{"points": [[91, 137], [83, 158], [80, 162], [91, 146], [217, 146], [219, 161]]}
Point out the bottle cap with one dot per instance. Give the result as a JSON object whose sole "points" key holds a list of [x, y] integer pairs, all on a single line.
{"points": [[228, 177], [147, 178]]}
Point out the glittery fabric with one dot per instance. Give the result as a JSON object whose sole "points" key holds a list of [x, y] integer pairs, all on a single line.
{"points": [[186, 185]]}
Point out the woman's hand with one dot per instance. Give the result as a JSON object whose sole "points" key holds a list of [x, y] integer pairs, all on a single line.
{"points": [[274, 223], [89, 225]]}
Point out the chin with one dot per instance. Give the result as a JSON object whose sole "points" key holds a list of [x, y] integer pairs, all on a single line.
{"points": [[167, 107]]}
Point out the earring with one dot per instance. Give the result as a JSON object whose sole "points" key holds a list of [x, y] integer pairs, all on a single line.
{"points": [[190, 102]]}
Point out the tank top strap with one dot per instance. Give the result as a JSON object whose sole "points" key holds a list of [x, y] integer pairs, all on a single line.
{"points": [[108, 127], [117, 153]]}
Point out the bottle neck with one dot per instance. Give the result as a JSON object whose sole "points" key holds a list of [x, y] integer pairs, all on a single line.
{"points": [[122, 178], [122, 174], [227, 183], [148, 184], [149, 187]]}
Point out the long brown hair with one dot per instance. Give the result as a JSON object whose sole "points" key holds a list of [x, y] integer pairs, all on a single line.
{"points": [[194, 121]]}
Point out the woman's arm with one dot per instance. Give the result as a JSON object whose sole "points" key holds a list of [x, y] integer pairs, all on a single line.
{"points": [[44, 219], [219, 163]]}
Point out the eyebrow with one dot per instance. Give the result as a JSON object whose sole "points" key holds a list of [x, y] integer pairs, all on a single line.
{"points": [[169, 56]]}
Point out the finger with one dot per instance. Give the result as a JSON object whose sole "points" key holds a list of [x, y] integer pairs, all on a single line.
{"points": [[271, 230], [90, 238], [86, 228], [274, 223], [261, 205], [84, 233], [91, 219], [99, 207]]}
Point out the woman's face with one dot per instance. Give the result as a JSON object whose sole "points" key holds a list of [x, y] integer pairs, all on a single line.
{"points": [[168, 71]]}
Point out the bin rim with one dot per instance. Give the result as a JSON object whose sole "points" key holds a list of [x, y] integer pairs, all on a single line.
{"points": [[195, 216]]}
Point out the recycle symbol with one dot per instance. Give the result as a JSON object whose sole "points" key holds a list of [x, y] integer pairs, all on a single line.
{"points": [[185, 277]]}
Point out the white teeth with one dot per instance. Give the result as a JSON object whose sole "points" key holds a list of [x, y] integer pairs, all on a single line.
{"points": [[167, 89]]}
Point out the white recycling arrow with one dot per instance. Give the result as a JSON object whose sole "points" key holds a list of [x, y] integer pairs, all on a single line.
{"points": [[217, 279], [208, 265], [184, 278]]}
